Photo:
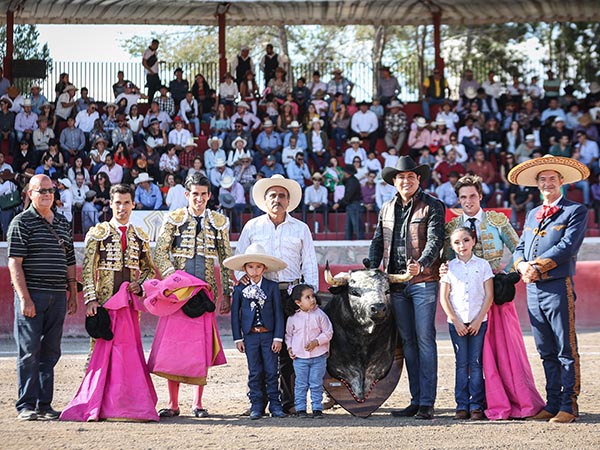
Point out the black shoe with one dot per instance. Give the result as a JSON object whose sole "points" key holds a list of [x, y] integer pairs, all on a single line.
{"points": [[409, 411], [424, 413], [48, 414], [301, 414], [317, 414], [200, 412]]}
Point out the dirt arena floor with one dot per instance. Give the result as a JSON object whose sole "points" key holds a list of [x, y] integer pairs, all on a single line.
{"points": [[225, 399]]}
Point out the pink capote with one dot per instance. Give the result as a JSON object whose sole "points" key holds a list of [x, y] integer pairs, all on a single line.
{"points": [[509, 386], [117, 383], [183, 348]]}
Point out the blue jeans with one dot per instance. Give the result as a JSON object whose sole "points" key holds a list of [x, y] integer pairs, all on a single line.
{"points": [[262, 368], [469, 390], [584, 187], [353, 225], [428, 102], [551, 306], [38, 345], [414, 310], [309, 375], [340, 135]]}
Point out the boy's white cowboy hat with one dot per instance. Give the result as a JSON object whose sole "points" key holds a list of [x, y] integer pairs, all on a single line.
{"points": [[255, 253]]}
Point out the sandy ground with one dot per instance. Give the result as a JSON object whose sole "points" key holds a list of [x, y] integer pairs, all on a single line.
{"points": [[225, 399]]}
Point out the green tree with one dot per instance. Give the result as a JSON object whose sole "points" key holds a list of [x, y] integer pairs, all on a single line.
{"points": [[26, 44]]}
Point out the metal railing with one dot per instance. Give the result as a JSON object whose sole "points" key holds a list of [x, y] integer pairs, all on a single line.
{"points": [[99, 77]]}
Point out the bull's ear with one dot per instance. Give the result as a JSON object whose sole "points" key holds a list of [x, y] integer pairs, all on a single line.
{"points": [[367, 263]]}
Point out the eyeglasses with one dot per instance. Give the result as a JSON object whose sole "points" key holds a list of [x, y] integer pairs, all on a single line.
{"points": [[45, 191], [299, 159]]}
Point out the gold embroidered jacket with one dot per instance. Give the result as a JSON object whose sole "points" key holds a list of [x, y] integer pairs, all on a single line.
{"points": [[495, 231], [106, 266], [178, 242]]}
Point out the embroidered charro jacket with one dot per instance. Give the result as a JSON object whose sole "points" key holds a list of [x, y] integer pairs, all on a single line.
{"points": [[495, 231], [553, 244], [106, 266], [178, 242]]}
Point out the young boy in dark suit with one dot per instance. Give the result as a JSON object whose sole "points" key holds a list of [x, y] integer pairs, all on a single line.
{"points": [[257, 323]]}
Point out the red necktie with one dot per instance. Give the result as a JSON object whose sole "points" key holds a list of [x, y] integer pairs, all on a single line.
{"points": [[546, 211], [123, 238]]}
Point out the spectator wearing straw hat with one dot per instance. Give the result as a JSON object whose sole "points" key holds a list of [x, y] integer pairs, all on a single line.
{"points": [[232, 201], [395, 125], [65, 104], [147, 194], [315, 200], [25, 122], [268, 143], [340, 84]]}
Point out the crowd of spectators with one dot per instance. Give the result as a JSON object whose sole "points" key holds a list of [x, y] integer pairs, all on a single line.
{"points": [[312, 131]]}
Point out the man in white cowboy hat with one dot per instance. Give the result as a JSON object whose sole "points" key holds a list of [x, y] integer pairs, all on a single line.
{"points": [[295, 130], [187, 156], [217, 173], [213, 153], [419, 136], [395, 125], [238, 132], [65, 103], [365, 124], [284, 237], [232, 200], [179, 135], [268, 143], [355, 150], [251, 122], [340, 84], [25, 122], [546, 257], [195, 239], [64, 205], [245, 172], [147, 194], [410, 238], [317, 143]]}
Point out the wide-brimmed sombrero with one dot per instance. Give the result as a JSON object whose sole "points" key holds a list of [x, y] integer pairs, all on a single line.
{"points": [[525, 174], [404, 164], [262, 186], [255, 253]]}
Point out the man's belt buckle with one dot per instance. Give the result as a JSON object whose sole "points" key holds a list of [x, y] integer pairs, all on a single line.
{"points": [[259, 330]]}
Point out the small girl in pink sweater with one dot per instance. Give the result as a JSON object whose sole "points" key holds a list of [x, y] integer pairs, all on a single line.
{"points": [[307, 335]]}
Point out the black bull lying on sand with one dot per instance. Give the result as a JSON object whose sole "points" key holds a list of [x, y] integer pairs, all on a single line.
{"points": [[365, 360]]}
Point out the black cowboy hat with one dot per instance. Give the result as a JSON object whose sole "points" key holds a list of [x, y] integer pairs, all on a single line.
{"points": [[349, 169], [404, 164], [98, 326]]}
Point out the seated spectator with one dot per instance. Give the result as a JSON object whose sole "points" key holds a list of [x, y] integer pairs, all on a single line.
{"points": [[110, 117], [216, 174], [390, 157], [372, 164], [279, 86], [272, 167], [147, 194], [179, 135], [513, 137], [164, 119], [445, 191], [268, 143], [557, 130], [169, 162], [89, 213], [418, 137], [98, 155], [491, 138], [84, 100], [156, 136], [7, 123], [461, 152], [340, 122], [25, 122], [448, 115], [98, 132], [301, 94], [102, 188], [165, 102], [72, 141], [249, 90], [562, 147], [228, 90], [351, 202], [176, 195], [78, 169], [187, 156], [232, 201], [427, 158], [220, 123], [341, 84], [436, 91], [112, 169], [122, 155], [238, 131], [368, 191], [85, 119], [298, 170], [377, 109], [78, 190], [316, 84], [122, 133], [238, 149], [318, 143], [586, 125], [365, 125], [355, 150], [360, 169], [57, 158], [294, 130], [64, 202], [573, 116], [189, 112], [521, 199], [440, 136], [197, 166], [250, 121], [484, 170], [588, 149], [38, 99], [478, 116], [383, 192], [46, 167], [135, 121], [213, 153], [333, 179], [131, 94], [245, 172], [288, 155], [553, 110], [315, 200], [179, 86], [42, 135], [24, 158], [523, 152], [395, 126], [510, 162], [312, 113], [583, 185], [442, 171], [470, 136]]}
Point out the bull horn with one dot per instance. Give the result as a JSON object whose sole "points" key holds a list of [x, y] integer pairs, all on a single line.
{"points": [[399, 277], [334, 281]]}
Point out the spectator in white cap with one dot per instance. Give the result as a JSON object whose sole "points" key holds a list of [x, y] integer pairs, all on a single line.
{"points": [[65, 104], [25, 122], [523, 151], [238, 148], [147, 194], [37, 99], [216, 174], [295, 130], [268, 143], [64, 205], [213, 153]]}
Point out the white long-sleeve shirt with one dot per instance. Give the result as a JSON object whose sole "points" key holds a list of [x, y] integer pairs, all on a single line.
{"points": [[364, 122]]}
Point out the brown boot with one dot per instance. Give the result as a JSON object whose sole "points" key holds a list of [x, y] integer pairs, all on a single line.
{"points": [[542, 415], [563, 417]]}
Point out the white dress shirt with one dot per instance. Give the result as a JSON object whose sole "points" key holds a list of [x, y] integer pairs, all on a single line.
{"points": [[364, 122]]}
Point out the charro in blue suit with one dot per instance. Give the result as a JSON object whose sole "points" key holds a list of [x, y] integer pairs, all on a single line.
{"points": [[257, 320], [552, 246]]}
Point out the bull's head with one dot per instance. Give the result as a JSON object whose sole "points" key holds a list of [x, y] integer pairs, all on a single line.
{"points": [[368, 293]]}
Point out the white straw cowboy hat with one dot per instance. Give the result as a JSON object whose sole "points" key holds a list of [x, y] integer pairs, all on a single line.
{"points": [[214, 138], [255, 253], [142, 178], [227, 181], [525, 174], [294, 124], [421, 122], [262, 186], [239, 139]]}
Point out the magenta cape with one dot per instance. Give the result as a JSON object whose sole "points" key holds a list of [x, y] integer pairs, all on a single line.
{"points": [[509, 386], [117, 383], [183, 348]]}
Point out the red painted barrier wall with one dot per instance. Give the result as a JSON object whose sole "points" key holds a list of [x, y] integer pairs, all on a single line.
{"points": [[587, 304]]}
